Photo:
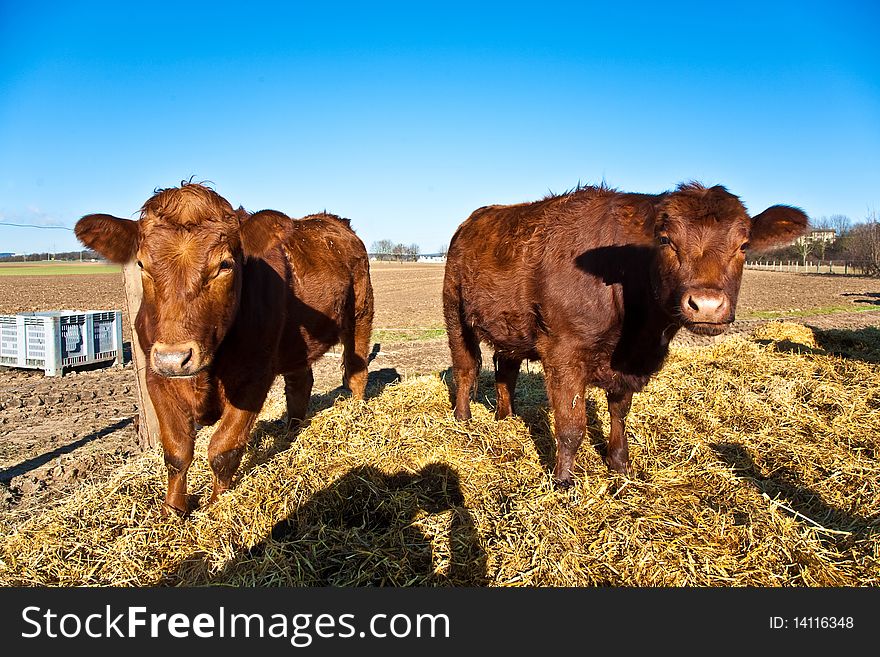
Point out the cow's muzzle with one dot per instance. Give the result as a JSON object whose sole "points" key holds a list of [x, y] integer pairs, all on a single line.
{"points": [[707, 328], [705, 306], [705, 311], [176, 360]]}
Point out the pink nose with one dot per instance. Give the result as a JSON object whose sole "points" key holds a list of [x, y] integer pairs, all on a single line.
{"points": [[175, 359], [705, 305]]}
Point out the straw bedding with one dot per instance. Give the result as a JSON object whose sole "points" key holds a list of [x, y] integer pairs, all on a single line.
{"points": [[756, 464]]}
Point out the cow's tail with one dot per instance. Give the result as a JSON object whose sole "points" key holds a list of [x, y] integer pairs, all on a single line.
{"points": [[463, 342]]}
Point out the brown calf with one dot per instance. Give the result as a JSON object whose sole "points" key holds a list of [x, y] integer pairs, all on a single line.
{"points": [[231, 300], [595, 283]]}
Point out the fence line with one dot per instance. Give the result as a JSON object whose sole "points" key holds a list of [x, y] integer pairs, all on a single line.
{"points": [[817, 267]]}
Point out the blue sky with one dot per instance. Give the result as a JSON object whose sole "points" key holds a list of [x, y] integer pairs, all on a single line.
{"points": [[407, 117]]}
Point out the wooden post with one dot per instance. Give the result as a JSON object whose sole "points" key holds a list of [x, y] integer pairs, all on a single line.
{"points": [[148, 423]]}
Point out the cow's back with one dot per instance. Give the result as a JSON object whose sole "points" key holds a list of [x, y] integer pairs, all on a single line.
{"points": [[521, 272], [330, 282], [489, 275]]}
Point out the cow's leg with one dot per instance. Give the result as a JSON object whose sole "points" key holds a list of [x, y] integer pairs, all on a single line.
{"points": [[466, 363], [227, 446], [506, 374], [565, 388], [177, 433], [617, 456], [297, 391], [356, 350]]}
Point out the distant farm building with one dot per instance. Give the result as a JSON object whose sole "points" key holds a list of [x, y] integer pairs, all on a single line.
{"points": [[826, 235]]}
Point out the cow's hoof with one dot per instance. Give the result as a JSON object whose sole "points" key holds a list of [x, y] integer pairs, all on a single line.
{"points": [[291, 427], [216, 493], [167, 511], [192, 503], [563, 484], [620, 467]]}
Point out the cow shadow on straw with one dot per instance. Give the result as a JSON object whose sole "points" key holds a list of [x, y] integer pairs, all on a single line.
{"points": [[531, 405], [376, 382], [861, 344], [801, 503], [270, 437], [857, 344], [367, 528]]}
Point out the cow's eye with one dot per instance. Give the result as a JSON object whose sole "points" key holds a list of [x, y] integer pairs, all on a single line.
{"points": [[225, 265], [744, 247], [143, 269], [664, 241]]}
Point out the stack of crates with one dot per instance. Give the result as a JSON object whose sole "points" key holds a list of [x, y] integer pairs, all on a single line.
{"points": [[56, 339]]}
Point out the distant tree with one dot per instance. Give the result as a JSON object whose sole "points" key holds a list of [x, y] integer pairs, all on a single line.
{"points": [[840, 223], [388, 250], [443, 250], [804, 247], [61, 255], [382, 249], [864, 245], [820, 246], [842, 228]]}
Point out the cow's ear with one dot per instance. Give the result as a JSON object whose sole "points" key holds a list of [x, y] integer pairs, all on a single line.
{"points": [[114, 238], [262, 231], [777, 226]]}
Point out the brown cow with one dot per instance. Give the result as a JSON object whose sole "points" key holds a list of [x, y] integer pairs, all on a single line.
{"points": [[595, 283], [231, 300]]}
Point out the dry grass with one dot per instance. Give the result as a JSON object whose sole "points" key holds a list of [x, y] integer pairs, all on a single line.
{"points": [[756, 465]]}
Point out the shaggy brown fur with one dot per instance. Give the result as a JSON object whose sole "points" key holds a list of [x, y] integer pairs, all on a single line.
{"points": [[231, 300], [595, 283]]}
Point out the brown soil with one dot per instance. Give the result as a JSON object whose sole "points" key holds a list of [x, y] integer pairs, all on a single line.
{"points": [[56, 433], [21, 294], [764, 291]]}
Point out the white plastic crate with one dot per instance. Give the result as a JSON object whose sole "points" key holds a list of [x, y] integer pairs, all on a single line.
{"points": [[56, 339]]}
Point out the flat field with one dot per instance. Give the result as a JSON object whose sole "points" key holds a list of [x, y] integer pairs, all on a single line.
{"points": [[56, 268], [57, 434]]}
